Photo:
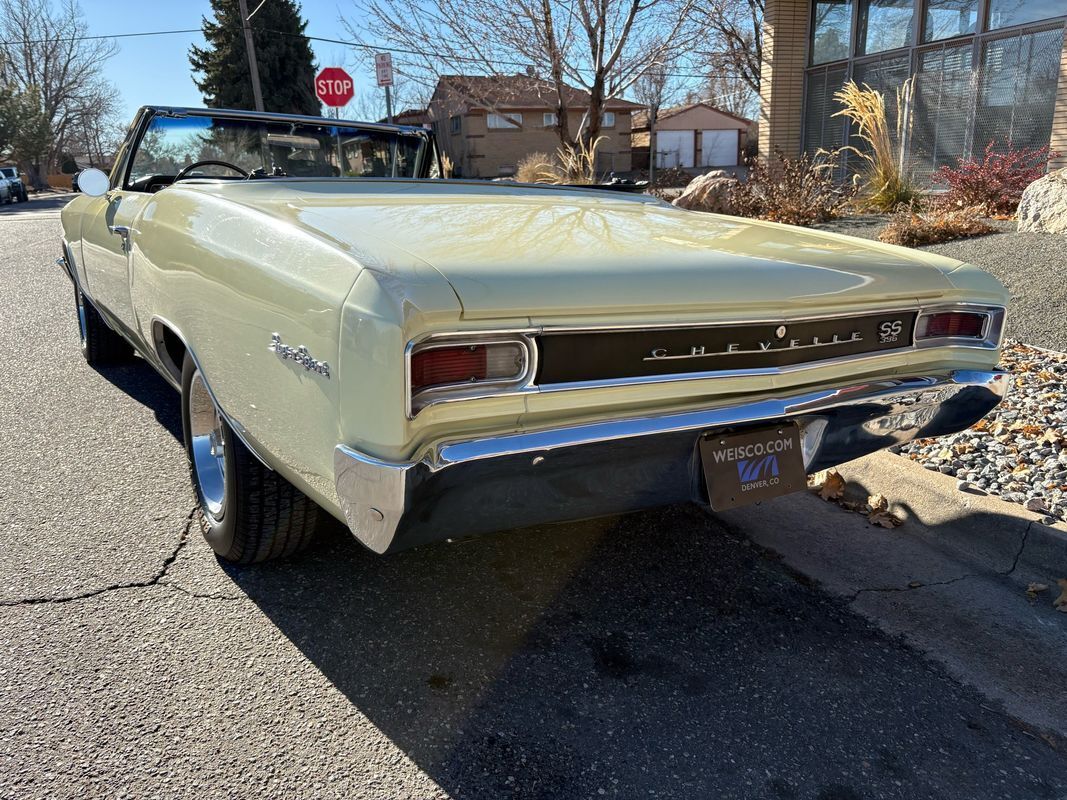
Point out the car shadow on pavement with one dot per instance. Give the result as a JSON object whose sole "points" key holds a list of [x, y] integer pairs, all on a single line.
{"points": [[659, 653], [141, 382]]}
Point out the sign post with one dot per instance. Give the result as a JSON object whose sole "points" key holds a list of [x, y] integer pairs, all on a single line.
{"points": [[383, 69]]}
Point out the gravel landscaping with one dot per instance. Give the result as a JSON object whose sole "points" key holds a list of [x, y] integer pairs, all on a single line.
{"points": [[1032, 265], [1019, 451]]}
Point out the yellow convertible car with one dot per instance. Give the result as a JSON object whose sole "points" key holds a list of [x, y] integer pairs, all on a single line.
{"points": [[426, 358]]}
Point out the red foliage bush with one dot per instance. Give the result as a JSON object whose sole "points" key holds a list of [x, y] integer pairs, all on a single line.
{"points": [[994, 184]]}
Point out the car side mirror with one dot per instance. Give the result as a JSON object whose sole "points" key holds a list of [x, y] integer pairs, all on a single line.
{"points": [[93, 182]]}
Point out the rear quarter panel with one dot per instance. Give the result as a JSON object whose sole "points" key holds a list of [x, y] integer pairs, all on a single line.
{"points": [[226, 278]]}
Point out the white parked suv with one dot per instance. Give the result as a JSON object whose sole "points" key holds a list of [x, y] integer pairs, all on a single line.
{"points": [[16, 189]]}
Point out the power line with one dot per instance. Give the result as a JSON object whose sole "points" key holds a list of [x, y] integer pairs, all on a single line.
{"points": [[345, 43], [92, 38]]}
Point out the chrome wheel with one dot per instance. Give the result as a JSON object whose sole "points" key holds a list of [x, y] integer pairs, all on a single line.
{"points": [[208, 435]]}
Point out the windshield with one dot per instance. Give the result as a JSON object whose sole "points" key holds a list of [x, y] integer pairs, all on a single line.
{"points": [[8, 172], [270, 148]]}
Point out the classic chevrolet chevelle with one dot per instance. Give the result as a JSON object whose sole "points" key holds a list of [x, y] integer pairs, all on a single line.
{"points": [[426, 358]]}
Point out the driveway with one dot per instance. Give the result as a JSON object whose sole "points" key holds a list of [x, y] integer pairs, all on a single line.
{"points": [[661, 654]]}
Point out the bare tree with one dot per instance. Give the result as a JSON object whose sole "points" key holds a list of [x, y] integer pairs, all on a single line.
{"points": [[656, 88], [733, 46], [600, 46], [48, 57], [730, 92]]}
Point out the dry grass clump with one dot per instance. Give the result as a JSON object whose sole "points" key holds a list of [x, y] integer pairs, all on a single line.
{"points": [[531, 166], [577, 162], [796, 191], [573, 163], [886, 186], [913, 228]]}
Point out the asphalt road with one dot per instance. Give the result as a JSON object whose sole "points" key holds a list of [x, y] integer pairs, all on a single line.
{"points": [[655, 655]]}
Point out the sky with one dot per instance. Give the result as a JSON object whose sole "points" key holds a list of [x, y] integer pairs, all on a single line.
{"points": [[155, 69]]}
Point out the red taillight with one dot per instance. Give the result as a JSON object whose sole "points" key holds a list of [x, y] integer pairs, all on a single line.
{"points": [[441, 365], [951, 323]]}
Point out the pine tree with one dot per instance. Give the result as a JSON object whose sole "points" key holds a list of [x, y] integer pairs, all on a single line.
{"points": [[286, 64]]}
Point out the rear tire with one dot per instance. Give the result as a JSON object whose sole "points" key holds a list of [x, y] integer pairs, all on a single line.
{"points": [[101, 346], [247, 513]]}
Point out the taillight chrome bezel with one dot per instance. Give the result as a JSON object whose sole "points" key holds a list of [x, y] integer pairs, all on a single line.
{"points": [[469, 390], [989, 339]]}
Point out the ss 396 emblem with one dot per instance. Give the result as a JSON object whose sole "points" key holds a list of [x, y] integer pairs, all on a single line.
{"points": [[890, 331], [300, 355]]}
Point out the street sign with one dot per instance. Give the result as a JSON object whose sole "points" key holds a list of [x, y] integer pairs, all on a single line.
{"points": [[383, 67], [334, 86]]}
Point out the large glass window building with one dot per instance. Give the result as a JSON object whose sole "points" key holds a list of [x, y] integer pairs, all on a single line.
{"points": [[980, 71]]}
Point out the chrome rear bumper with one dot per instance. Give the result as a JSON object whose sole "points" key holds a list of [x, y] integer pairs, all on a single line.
{"points": [[480, 485]]}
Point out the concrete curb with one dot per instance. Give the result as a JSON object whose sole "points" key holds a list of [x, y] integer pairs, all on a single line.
{"points": [[990, 533]]}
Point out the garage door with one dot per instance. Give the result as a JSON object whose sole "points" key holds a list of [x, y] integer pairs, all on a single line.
{"points": [[718, 148], [675, 149]]}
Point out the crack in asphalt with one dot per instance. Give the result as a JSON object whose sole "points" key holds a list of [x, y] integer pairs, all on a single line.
{"points": [[201, 595], [155, 580], [911, 586], [1019, 552]]}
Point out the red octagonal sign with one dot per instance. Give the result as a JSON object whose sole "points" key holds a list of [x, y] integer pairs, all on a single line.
{"points": [[334, 86]]}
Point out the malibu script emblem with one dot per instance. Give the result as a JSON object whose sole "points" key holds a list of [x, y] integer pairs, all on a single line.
{"points": [[700, 351], [299, 355]]}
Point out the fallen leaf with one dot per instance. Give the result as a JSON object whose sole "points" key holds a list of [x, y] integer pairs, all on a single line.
{"points": [[1052, 436], [1034, 589], [833, 487], [1060, 603], [888, 520], [878, 502]]}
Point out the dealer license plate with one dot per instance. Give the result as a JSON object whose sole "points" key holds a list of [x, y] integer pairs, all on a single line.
{"points": [[754, 464]]}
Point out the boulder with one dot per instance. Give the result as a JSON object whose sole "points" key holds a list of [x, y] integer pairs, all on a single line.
{"points": [[1043, 208], [709, 193]]}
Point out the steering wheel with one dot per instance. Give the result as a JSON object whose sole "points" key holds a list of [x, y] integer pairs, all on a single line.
{"points": [[184, 171]]}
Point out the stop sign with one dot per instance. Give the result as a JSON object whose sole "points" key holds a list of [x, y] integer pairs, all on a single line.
{"points": [[334, 86]]}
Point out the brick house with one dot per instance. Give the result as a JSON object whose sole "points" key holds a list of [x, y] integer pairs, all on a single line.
{"points": [[487, 124], [982, 71]]}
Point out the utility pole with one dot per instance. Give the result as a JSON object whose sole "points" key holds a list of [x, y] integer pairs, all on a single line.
{"points": [[652, 114], [250, 47]]}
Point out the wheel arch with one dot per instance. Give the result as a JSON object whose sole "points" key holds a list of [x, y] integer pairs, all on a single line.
{"points": [[171, 347]]}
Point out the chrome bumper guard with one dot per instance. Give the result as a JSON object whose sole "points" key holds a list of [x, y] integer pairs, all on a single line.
{"points": [[596, 469]]}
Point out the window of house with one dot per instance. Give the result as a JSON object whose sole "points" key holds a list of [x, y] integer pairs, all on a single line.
{"points": [[831, 30], [948, 18], [608, 120], [1003, 13], [548, 120], [510, 122], [454, 124], [885, 24]]}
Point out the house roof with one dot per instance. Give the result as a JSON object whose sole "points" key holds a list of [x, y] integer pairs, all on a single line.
{"points": [[517, 91], [640, 119]]}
